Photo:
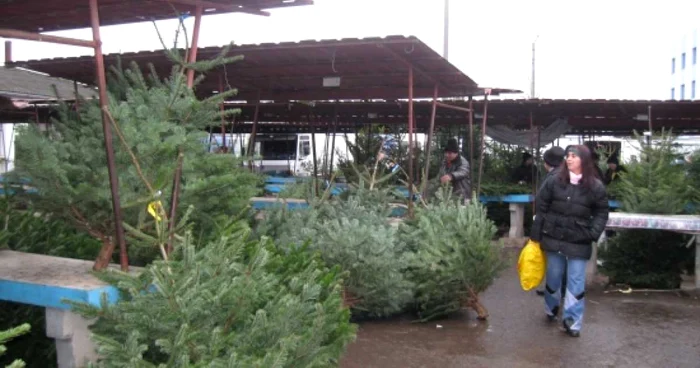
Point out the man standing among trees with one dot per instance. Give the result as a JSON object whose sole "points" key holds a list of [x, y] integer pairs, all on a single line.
{"points": [[455, 170], [552, 160]]}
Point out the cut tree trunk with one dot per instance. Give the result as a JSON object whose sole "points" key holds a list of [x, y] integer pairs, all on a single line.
{"points": [[473, 302], [105, 257], [349, 300], [481, 311]]}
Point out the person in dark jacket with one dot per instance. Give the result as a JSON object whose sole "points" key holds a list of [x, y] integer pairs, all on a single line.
{"points": [[598, 171], [614, 170], [455, 170], [553, 158], [572, 211], [524, 173]]}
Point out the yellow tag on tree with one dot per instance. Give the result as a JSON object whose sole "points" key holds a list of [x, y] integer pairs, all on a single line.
{"points": [[531, 265], [154, 209]]}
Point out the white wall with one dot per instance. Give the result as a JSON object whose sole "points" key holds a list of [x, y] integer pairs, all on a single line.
{"points": [[630, 146], [683, 77], [7, 147]]}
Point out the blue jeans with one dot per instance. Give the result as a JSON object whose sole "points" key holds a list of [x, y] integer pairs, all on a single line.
{"points": [[574, 303]]}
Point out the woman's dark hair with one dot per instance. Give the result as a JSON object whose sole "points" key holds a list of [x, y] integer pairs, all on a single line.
{"points": [[587, 166]]}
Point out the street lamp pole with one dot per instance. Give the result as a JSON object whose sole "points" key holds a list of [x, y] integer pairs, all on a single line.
{"points": [[447, 29], [532, 85]]}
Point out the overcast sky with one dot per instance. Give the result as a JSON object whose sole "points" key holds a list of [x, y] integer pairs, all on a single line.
{"points": [[592, 49]]}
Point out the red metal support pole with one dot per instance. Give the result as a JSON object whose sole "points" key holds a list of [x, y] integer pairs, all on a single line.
{"points": [[223, 120], [175, 196], [253, 133], [105, 255], [471, 138], [335, 130], [8, 52], [410, 141], [483, 142], [195, 42], [428, 144], [254, 129], [533, 169]]}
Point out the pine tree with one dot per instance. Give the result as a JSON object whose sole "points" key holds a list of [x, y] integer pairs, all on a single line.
{"points": [[9, 335], [653, 184], [232, 302], [454, 258], [152, 120], [354, 234]]}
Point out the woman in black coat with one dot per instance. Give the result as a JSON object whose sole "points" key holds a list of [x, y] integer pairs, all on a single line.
{"points": [[572, 210]]}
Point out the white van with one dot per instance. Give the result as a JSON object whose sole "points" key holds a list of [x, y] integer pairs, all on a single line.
{"points": [[284, 153]]}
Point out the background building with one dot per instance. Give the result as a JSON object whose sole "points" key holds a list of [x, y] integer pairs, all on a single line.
{"points": [[684, 67]]}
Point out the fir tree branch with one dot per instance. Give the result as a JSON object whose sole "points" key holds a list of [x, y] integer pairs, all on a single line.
{"points": [[134, 160], [83, 222]]}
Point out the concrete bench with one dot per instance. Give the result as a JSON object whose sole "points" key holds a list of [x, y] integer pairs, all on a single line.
{"points": [[47, 281], [516, 206]]}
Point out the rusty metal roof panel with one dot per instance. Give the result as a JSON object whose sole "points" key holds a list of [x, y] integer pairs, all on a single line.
{"points": [[20, 84], [370, 68], [60, 15]]}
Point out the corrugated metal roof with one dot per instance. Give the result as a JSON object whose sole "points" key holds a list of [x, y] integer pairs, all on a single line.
{"points": [[585, 116], [20, 84], [369, 68], [58, 15], [582, 115]]}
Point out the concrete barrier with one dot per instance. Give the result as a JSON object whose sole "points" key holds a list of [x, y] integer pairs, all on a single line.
{"points": [[47, 281]]}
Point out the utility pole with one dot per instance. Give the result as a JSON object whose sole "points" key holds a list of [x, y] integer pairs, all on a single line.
{"points": [[446, 46], [532, 85]]}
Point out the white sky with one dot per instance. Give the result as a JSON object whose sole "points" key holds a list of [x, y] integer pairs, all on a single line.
{"points": [[586, 49]]}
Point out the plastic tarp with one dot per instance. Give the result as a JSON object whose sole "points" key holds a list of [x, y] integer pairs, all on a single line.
{"points": [[528, 138]]}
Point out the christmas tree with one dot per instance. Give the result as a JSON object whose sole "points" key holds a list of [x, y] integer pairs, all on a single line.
{"points": [[354, 234], [653, 184], [232, 302], [454, 258], [11, 334], [153, 121]]}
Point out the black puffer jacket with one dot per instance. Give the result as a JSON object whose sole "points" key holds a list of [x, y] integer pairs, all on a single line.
{"points": [[569, 217]]}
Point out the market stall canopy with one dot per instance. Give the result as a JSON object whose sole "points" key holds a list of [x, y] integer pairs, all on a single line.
{"points": [[61, 15], [531, 138], [27, 85], [616, 117], [347, 69], [21, 90]]}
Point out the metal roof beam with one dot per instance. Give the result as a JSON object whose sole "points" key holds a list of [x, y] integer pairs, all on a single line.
{"points": [[23, 35], [219, 6]]}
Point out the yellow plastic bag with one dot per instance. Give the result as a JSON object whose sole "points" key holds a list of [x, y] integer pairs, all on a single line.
{"points": [[531, 265]]}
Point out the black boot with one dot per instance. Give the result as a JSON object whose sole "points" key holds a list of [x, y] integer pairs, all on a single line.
{"points": [[567, 327], [553, 317]]}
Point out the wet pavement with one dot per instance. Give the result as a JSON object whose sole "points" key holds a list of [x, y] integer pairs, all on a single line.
{"points": [[620, 330]]}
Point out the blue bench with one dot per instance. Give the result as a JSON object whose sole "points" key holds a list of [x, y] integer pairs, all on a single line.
{"points": [[47, 281], [275, 185]]}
